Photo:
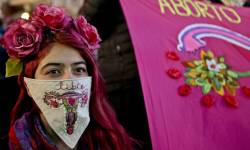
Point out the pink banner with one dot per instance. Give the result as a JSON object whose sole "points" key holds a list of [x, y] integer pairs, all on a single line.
{"points": [[194, 64]]}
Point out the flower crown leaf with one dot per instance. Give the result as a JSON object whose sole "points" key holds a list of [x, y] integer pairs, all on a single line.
{"points": [[13, 67]]}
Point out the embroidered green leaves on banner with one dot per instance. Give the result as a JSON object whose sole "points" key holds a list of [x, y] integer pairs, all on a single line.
{"points": [[211, 73]]}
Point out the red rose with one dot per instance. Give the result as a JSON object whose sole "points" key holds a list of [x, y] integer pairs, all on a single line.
{"points": [[184, 90], [53, 17], [88, 31], [246, 91], [207, 100], [231, 101], [172, 55], [21, 39], [174, 73]]}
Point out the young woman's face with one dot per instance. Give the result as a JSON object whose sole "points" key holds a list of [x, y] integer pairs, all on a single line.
{"points": [[62, 62]]}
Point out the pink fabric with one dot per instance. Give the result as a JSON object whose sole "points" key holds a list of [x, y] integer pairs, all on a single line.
{"points": [[182, 123]]}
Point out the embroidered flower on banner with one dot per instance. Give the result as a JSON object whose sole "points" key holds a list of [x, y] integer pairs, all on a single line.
{"points": [[211, 73]]}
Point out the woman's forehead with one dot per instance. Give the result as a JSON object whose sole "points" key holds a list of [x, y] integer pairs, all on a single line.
{"points": [[60, 53]]}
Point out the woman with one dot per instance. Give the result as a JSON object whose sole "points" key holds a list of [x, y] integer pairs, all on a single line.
{"points": [[62, 102]]}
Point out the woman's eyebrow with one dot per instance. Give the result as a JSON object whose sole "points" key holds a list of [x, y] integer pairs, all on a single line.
{"points": [[51, 64], [79, 62]]}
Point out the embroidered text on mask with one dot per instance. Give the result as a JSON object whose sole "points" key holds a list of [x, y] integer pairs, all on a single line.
{"points": [[70, 86]]}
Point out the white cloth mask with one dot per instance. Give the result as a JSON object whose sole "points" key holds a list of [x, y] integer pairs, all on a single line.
{"points": [[64, 104]]}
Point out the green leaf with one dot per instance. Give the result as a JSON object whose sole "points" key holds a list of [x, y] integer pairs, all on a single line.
{"points": [[13, 67], [221, 59], [65, 102], [232, 74], [206, 88], [204, 74], [191, 82], [197, 62], [223, 66], [200, 81], [216, 83], [199, 67], [211, 74], [210, 54], [191, 74], [244, 74]]}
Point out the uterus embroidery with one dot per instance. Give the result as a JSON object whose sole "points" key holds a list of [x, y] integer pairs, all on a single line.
{"points": [[70, 101]]}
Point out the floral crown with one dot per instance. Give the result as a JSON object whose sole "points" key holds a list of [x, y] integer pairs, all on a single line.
{"points": [[23, 38]]}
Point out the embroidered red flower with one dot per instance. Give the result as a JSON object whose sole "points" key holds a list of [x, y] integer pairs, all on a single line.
{"points": [[246, 91], [207, 100], [51, 16], [71, 101], [85, 98], [54, 104], [172, 55], [184, 90], [88, 31], [174, 73], [70, 130], [231, 101], [21, 39]]}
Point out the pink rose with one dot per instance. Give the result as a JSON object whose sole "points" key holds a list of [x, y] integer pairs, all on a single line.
{"points": [[21, 39], [53, 17], [88, 31]]}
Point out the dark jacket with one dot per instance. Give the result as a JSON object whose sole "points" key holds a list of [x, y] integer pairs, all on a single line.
{"points": [[8, 94], [116, 55], [3, 57]]}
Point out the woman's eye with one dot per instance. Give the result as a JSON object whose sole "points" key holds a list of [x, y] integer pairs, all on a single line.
{"points": [[80, 70], [53, 72]]}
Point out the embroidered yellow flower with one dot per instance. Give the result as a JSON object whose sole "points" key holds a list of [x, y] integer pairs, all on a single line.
{"points": [[211, 73]]}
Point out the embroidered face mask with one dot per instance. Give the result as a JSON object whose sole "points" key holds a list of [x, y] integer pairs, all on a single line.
{"points": [[64, 104]]}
